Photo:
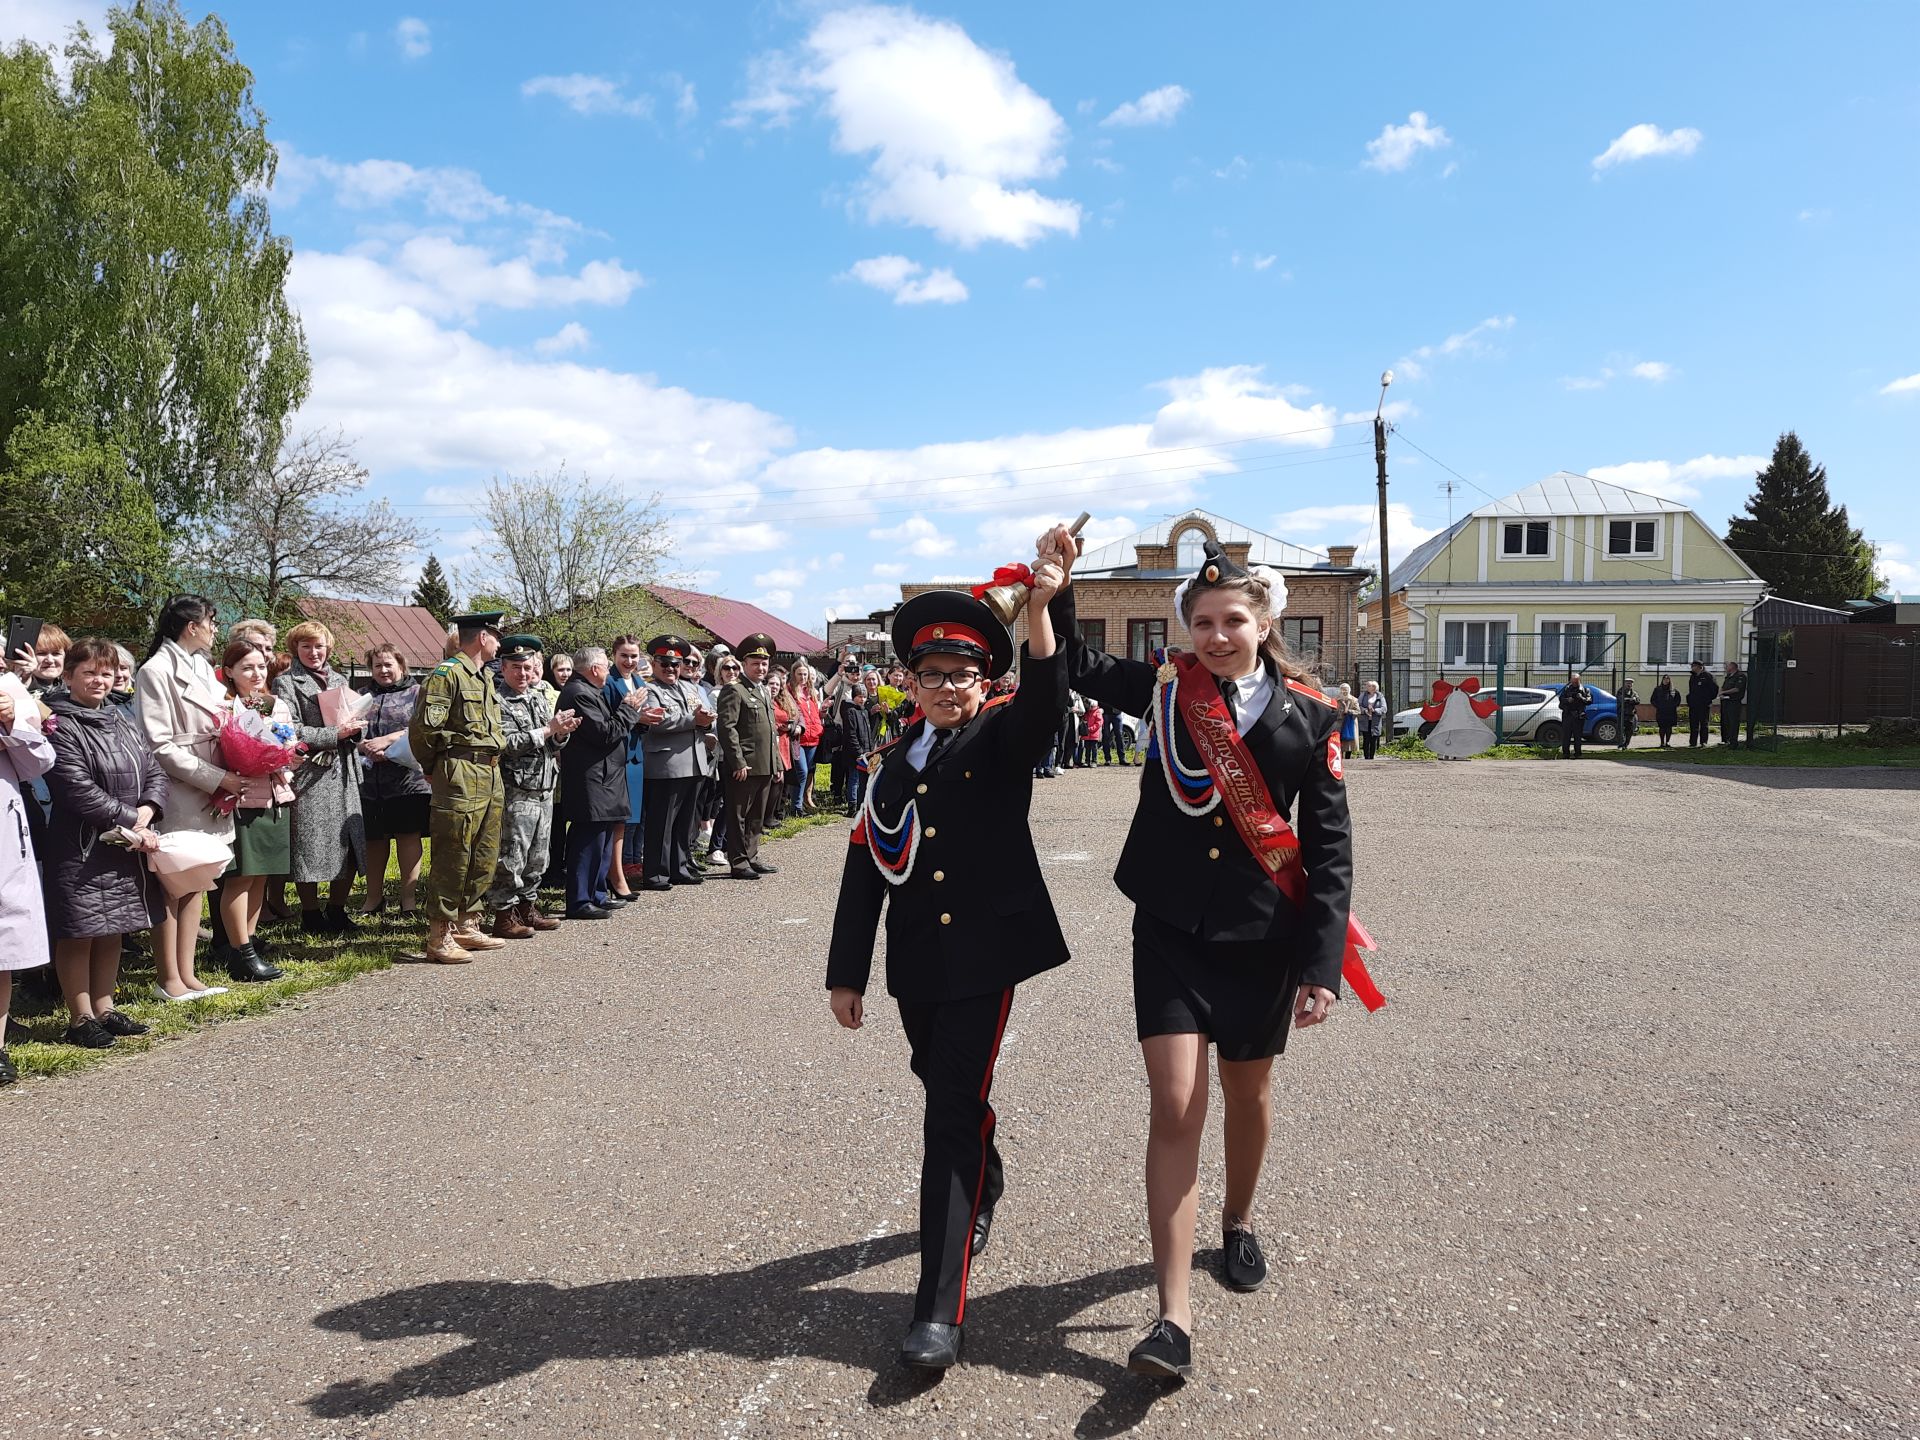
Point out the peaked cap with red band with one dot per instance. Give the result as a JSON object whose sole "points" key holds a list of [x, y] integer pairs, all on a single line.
{"points": [[952, 622]]}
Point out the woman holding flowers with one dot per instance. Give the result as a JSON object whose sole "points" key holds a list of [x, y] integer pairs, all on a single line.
{"points": [[329, 839], [180, 707], [263, 831]]}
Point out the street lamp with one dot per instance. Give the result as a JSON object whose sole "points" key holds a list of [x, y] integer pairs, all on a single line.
{"points": [[1386, 600]]}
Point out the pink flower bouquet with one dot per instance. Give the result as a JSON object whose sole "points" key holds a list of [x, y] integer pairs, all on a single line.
{"points": [[251, 745]]}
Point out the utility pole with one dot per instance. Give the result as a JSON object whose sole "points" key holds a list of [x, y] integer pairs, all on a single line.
{"points": [[1386, 600]]}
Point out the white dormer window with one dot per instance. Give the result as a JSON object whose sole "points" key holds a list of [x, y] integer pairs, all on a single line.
{"points": [[1191, 550], [1526, 540], [1631, 538]]}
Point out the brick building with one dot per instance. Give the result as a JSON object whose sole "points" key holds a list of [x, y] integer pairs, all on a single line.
{"points": [[1124, 590]]}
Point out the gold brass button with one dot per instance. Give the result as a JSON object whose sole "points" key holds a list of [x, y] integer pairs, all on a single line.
{"points": [[931, 832], [946, 919], [1218, 821], [939, 875], [969, 774], [1213, 854], [919, 789]]}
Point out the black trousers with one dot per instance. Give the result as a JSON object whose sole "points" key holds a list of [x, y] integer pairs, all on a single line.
{"points": [[670, 811], [1573, 733], [1699, 724], [1369, 742], [1730, 721], [955, 1044]]}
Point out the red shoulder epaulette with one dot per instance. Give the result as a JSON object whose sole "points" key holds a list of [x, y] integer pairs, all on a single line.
{"points": [[1299, 689], [996, 702]]}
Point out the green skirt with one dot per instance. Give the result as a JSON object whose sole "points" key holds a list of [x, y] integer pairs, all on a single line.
{"points": [[263, 841]]}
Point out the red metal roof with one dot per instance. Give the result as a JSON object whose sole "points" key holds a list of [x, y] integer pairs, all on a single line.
{"points": [[358, 624], [734, 620]]}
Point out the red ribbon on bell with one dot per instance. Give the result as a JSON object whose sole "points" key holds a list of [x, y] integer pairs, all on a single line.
{"points": [[1005, 575]]}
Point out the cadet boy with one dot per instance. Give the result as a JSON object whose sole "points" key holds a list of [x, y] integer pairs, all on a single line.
{"points": [[749, 757], [455, 735], [529, 771], [943, 835]]}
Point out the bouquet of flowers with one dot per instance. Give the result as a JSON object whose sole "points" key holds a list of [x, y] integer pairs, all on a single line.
{"points": [[253, 745]]}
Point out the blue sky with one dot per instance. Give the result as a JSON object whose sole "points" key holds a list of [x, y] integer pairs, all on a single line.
{"points": [[868, 293]]}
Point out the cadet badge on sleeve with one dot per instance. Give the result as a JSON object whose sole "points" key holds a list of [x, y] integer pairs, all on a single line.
{"points": [[1334, 760]]}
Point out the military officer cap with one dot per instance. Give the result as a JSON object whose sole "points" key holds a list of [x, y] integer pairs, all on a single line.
{"points": [[521, 647], [757, 646], [480, 620], [952, 622], [677, 646]]}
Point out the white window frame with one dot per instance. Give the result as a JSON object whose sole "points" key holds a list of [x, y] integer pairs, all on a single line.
{"points": [[1179, 538], [1446, 661], [1540, 623], [1553, 538], [1659, 551], [1647, 622]]}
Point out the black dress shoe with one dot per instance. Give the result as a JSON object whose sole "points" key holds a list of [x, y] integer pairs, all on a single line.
{"points": [[1166, 1352], [89, 1034], [744, 872], [931, 1345], [244, 964], [1242, 1265], [657, 882], [982, 1228], [7, 1073], [114, 1023], [312, 922], [338, 921], [589, 912], [760, 867], [693, 878]]}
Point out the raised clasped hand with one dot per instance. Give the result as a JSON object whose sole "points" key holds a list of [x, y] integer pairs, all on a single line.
{"points": [[1049, 579], [1058, 547], [653, 714]]}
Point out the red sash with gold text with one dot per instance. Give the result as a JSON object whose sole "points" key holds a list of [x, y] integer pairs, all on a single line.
{"points": [[1244, 795]]}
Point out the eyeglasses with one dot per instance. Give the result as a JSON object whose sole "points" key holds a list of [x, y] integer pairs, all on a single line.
{"points": [[937, 679], [729, 669]]}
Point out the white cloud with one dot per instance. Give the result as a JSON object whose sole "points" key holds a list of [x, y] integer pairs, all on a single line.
{"points": [[1156, 107], [949, 128], [908, 281], [917, 536], [786, 578], [1640, 142], [1234, 403], [1034, 282], [444, 191], [686, 105], [1234, 169], [1318, 526], [590, 95], [1258, 262], [1658, 371], [1109, 165], [569, 337], [1586, 382], [1396, 145], [1897, 563], [1678, 480], [705, 537], [886, 570], [1471, 342], [413, 37], [440, 276], [1905, 385], [775, 600], [49, 23]]}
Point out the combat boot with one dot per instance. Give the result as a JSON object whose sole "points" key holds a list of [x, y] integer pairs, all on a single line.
{"points": [[531, 917], [442, 948], [508, 926], [469, 936]]}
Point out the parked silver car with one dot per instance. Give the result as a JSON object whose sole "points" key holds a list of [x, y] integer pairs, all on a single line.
{"points": [[1530, 714]]}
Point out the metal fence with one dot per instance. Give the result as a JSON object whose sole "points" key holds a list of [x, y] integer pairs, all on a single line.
{"points": [[1831, 675]]}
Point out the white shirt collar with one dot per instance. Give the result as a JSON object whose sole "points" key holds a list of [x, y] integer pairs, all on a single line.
{"points": [[922, 746], [1251, 694]]}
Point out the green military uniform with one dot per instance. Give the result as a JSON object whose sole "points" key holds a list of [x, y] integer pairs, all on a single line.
{"points": [[456, 736], [749, 741], [529, 772]]}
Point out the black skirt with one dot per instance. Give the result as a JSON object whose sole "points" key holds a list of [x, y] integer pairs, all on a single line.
{"points": [[1239, 993], [390, 816]]}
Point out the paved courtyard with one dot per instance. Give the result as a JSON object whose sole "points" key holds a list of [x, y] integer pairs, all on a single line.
{"points": [[1632, 1152]]}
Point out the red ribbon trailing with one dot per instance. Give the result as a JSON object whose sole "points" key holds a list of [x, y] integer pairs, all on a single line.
{"points": [[1244, 795], [1005, 575]]}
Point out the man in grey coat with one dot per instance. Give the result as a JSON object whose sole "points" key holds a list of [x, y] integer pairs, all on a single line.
{"points": [[529, 769], [678, 760]]}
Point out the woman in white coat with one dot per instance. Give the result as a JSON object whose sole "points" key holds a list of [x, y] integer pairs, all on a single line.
{"points": [[181, 707], [25, 755]]}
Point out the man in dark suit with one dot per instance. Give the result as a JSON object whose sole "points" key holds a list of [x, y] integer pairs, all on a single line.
{"points": [[943, 835], [1702, 691], [677, 762], [593, 780], [1575, 697], [749, 757]]}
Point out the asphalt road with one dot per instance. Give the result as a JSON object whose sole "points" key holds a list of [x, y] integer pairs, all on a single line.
{"points": [[1631, 1153]]}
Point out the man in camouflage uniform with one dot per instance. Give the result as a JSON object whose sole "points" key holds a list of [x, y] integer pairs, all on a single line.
{"points": [[455, 735], [529, 771]]}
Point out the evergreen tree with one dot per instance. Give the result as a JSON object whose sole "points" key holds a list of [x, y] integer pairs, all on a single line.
{"points": [[1794, 536], [434, 594]]}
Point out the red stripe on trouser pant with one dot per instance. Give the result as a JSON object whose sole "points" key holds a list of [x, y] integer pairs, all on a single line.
{"points": [[986, 1135]]}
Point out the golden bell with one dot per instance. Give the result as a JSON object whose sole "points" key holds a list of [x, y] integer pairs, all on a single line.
{"points": [[1007, 602]]}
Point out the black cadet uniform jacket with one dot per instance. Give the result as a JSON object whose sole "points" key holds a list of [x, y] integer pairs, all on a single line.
{"points": [[974, 917], [1194, 871]]}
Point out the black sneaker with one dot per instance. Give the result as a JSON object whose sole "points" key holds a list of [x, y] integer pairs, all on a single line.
{"points": [[7, 1073], [88, 1035], [1166, 1352], [1241, 1264], [114, 1023]]}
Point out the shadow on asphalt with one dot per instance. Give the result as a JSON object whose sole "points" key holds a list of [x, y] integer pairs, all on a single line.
{"points": [[771, 1312], [1795, 777]]}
